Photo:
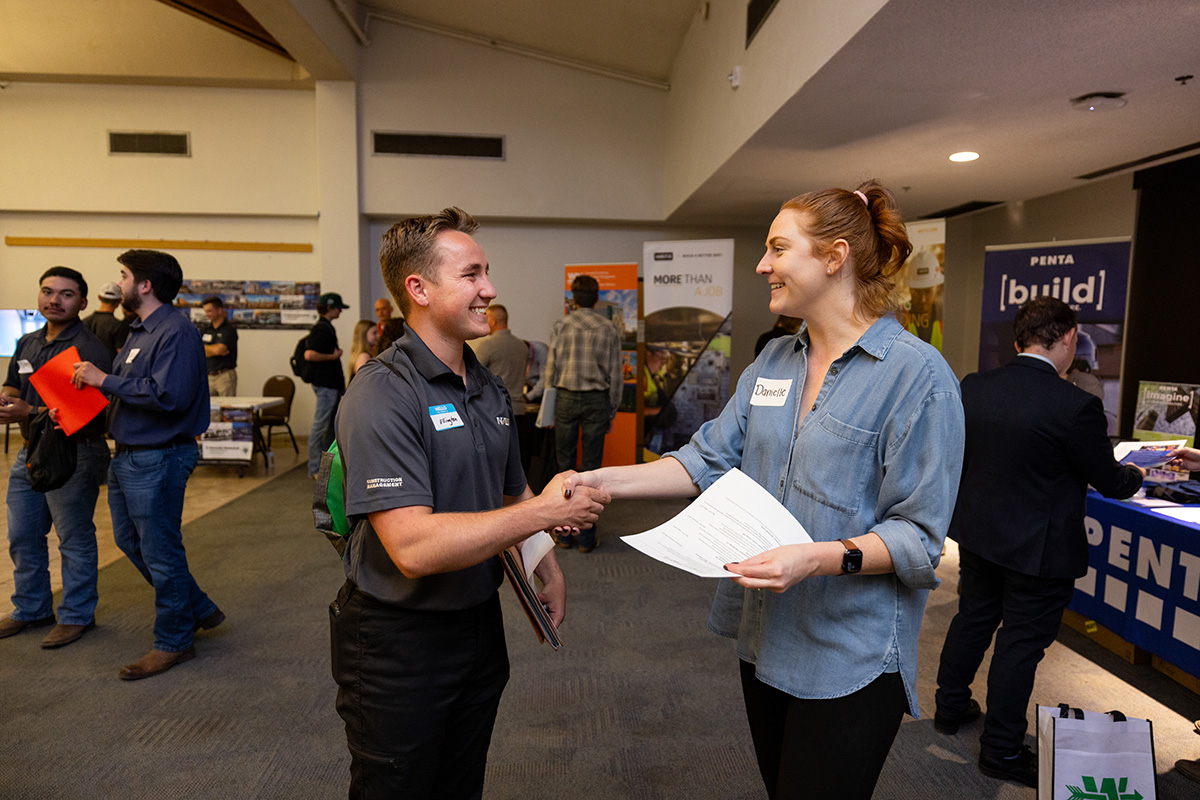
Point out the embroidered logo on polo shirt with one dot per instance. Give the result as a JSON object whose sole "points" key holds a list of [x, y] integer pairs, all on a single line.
{"points": [[384, 483], [768, 392], [502, 421], [444, 416]]}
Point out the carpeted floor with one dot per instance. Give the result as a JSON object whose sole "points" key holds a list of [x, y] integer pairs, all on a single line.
{"points": [[642, 702]]}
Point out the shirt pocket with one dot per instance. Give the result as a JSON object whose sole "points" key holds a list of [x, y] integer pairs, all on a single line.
{"points": [[838, 460]]}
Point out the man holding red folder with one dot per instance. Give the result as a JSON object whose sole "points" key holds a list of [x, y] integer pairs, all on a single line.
{"points": [[62, 295]]}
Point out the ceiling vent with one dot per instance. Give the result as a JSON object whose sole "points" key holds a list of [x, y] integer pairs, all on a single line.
{"points": [[965, 208], [436, 144], [125, 143], [757, 12]]}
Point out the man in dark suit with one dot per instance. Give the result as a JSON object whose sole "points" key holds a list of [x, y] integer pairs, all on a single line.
{"points": [[1034, 443]]}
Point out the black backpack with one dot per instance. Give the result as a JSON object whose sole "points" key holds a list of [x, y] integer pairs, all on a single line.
{"points": [[300, 367], [50, 456]]}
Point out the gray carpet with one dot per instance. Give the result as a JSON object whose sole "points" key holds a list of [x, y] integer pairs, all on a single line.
{"points": [[642, 703]]}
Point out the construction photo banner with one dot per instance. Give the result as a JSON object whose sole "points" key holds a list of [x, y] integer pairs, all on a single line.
{"points": [[688, 298], [619, 303], [920, 286], [1090, 276]]}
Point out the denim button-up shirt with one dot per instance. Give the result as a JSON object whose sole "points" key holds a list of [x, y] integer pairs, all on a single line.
{"points": [[881, 450]]}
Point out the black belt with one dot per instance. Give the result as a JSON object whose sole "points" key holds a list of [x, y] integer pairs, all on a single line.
{"points": [[133, 448], [214, 372]]}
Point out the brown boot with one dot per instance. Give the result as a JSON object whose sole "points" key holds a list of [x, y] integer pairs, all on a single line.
{"points": [[153, 663], [62, 635], [11, 627]]}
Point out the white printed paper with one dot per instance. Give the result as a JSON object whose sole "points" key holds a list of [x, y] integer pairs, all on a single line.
{"points": [[734, 519]]}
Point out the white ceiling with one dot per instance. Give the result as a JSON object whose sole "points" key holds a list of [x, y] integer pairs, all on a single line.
{"points": [[921, 80]]}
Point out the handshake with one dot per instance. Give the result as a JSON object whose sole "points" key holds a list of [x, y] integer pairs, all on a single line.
{"points": [[572, 501]]}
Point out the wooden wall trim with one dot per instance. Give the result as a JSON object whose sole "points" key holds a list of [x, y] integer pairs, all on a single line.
{"points": [[157, 244]]}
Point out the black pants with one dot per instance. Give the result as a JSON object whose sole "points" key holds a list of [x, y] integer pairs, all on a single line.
{"points": [[1031, 610], [418, 691], [823, 748]]}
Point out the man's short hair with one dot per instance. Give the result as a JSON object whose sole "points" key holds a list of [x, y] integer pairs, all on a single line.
{"points": [[1043, 321], [69, 274], [499, 311], [409, 248], [161, 269], [214, 300], [586, 291]]}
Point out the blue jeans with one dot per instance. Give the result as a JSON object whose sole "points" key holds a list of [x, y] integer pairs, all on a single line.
{"points": [[145, 495], [321, 435], [70, 508], [586, 412], [589, 414]]}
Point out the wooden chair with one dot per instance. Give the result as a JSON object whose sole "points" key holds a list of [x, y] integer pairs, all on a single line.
{"points": [[278, 415]]}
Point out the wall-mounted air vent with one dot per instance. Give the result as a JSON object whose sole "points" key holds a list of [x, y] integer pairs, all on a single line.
{"points": [[143, 143], [437, 144], [757, 12]]}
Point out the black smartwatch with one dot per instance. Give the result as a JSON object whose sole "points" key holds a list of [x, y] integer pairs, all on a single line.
{"points": [[852, 560]]}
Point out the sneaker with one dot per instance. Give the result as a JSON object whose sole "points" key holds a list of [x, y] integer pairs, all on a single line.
{"points": [[948, 724], [1022, 767]]}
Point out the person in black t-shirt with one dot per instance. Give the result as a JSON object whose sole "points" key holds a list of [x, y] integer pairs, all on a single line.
{"points": [[324, 359]]}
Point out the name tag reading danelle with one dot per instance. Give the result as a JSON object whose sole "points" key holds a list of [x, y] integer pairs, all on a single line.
{"points": [[768, 392], [444, 416]]}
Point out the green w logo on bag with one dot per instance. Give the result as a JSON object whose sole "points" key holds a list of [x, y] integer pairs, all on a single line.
{"points": [[1110, 789], [1078, 751]]}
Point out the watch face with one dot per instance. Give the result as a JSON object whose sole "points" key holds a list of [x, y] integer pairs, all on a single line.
{"points": [[852, 561]]}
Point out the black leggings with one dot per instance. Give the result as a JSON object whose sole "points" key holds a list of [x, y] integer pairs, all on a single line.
{"points": [[823, 748]]}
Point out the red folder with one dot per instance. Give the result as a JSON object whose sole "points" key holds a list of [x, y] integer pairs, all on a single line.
{"points": [[76, 407]]}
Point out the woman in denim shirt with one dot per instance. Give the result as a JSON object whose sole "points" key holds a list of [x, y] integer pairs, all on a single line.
{"points": [[855, 426]]}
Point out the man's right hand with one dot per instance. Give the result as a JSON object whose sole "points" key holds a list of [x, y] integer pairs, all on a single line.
{"points": [[14, 409], [578, 508]]}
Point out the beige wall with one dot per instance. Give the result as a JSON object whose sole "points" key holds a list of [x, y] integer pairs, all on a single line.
{"points": [[578, 146]]}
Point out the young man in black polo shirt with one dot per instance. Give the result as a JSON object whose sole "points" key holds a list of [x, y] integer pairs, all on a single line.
{"points": [[435, 490], [220, 339], [62, 294]]}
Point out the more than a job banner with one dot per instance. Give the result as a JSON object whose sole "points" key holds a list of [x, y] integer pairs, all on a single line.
{"points": [[687, 301], [1091, 276]]}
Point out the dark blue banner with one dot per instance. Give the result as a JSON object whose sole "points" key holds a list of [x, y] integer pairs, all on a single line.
{"points": [[1091, 277]]}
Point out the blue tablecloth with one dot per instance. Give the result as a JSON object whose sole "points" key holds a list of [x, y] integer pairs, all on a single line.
{"points": [[1143, 580]]}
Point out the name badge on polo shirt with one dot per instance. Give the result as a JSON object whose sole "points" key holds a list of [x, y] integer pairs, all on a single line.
{"points": [[444, 416], [768, 392], [206, 338], [132, 355], [24, 367]]}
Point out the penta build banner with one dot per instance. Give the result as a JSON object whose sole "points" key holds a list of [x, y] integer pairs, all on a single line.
{"points": [[687, 302], [1090, 276]]}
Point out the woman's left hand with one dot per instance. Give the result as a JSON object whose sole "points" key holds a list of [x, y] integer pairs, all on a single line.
{"points": [[778, 569]]}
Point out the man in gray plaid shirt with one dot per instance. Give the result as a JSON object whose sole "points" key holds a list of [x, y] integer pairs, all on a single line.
{"points": [[584, 366]]}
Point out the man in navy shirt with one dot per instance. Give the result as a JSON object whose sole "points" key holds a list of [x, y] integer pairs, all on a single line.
{"points": [[160, 403], [62, 295]]}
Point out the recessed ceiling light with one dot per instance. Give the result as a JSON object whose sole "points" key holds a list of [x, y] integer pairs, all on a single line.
{"points": [[1099, 101], [966, 155]]}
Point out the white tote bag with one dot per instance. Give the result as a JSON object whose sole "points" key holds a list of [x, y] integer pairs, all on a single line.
{"points": [[1091, 754]]}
